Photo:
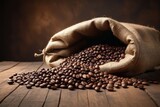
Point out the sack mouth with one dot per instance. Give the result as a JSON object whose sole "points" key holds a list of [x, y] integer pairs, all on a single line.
{"points": [[97, 30]]}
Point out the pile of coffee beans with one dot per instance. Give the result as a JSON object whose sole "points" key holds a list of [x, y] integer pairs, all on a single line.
{"points": [[81, 71]]}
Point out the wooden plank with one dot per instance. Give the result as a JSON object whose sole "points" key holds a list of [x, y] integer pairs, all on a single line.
{"points": [[97, 99], [36, 96], [130, 97], [154, 89], [154, 93], [139, 98], [116, 98], [83, 98], [14, 99], [7, 65], [6, 89], [68, 98], [24, 66], [53, 98]]}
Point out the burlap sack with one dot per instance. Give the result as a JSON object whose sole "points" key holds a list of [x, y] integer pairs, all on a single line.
{"points": [[142, 52]]}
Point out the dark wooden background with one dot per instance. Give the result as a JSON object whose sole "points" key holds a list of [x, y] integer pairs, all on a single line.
{"points": [[27, 25]]}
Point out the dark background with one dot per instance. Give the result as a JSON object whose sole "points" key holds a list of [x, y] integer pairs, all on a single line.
{"points": [[27, 25]]}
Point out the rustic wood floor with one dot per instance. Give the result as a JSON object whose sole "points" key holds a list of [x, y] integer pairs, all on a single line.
{"points": [[19, 96]]}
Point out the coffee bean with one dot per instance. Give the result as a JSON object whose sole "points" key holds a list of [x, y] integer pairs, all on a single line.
{"points": [[70, 81], [53, 87], [104, 86], [43, 85], [63, 86], [81, 70], [10, 81], [15, 74], [145, 83], [88, 86], [84, 76], [110, 87], [97, 89], [31, 83], [21, 83], [99, 84], [80, 86], [36, 85], [124, 85], [28, 86], [90, 73], [11, 77], [70, 87], [129, 82], [116, 85], [140, 86], [93, 86]]}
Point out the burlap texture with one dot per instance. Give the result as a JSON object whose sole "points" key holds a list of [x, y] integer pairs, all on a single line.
{"points": [[142, 52]]}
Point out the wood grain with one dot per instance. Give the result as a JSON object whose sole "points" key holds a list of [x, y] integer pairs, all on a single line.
{"points": [[7, 65], [131, 97], [97, 99], [14, 99], [116, 98], [22, 67], [6, 89], [53, 98], [68, 98], [19, 96], [36, 96], [154, 93], [83, 98], [154, 89]]}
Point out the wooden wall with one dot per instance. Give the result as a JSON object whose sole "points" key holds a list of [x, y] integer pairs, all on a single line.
{"points": [[27, 25]]}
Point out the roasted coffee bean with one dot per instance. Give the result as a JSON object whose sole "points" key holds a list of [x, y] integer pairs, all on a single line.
{"points": [[135, 85], [28, 86], [10, 81], [70, 81], [31, 83], [21, 83], [88, 86], [97, 89], [80, 86], [141, 86], [43, 85], [93, 86], [145, 83], [81, 70], [15, 74], [99, 84], [110, 87], [53, 87], [104, 86], [36, 85], [11, 77], [111, 82], [116, 85], [124, 85], [49, 86], [129, 82], [62, 86], [70, 87], [84, 76]]}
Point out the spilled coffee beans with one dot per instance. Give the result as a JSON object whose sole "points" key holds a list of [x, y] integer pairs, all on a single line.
{"points": [[81, 71]]}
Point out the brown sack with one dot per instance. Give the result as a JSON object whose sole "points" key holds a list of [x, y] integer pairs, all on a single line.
{"points": [[142, 52]]}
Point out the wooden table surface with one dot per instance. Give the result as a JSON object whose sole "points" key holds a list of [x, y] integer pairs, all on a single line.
{"points": [[18, 96]]}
